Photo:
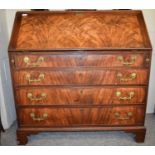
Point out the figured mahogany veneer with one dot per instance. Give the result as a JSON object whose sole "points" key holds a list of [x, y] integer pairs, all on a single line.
{"points": [[80, 96], [82, 116], [80, 71], [81, 77], [81, 60], [102, 29]]}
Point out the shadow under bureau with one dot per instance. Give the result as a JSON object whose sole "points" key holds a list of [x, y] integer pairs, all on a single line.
{"points": [[80, 71]]}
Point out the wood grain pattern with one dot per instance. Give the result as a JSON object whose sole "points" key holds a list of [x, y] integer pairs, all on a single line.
{"points": [[82, 60], [116, 29], [80, 96], [23, 133], [79, 71], [82, 116], [81, 77]]}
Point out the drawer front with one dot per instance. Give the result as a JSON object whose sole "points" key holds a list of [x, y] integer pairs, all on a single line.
{"points": [[55, 117], [81, 77], [81, 96], [73, 60]]}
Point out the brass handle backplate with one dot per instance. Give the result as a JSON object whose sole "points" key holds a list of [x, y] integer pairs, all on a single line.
{"points": [[43, 117], [122, 78], [39, 79], [127, 63], [128, 116], [131, 95], [33, 64], [31, 98]]}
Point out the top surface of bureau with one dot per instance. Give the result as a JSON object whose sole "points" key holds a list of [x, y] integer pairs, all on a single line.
{"points": [[79, 30]]}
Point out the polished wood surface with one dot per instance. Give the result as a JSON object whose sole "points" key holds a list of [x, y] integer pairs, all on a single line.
{"points": [[80, 71], [84, 30], [82, 116], [23, 133], [82, 60], [81, 77], [80, 96]]}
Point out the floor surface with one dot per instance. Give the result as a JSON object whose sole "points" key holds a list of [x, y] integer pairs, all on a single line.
{"points": [[8, 138]]}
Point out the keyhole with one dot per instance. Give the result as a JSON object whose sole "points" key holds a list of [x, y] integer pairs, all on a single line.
{"points": [[81, 110], [81, 91], [80, 74]]}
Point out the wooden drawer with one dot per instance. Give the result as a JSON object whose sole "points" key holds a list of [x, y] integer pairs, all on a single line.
{"points": [[87, 60], [81, 77], [108, 116], [81, 96]]}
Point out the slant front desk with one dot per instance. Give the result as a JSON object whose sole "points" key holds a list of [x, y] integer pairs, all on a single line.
{"points": [[80, 71]]}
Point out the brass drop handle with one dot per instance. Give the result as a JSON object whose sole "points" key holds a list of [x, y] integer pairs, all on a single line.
{"points": [[33, 64], [31, 98], [39, 79], [127, 63], [128, 116], [122, 78], [131, 95], [43, 117]]}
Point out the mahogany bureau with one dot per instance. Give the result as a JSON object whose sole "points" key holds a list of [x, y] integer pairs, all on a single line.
{"points": [[80, 71]]}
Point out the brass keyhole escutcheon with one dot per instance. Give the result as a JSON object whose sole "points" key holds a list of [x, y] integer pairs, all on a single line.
{"points": [[79, 14]]}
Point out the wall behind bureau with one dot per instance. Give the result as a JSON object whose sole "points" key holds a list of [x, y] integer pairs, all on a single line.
{"points": [[149, 16], [7, 108]]}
